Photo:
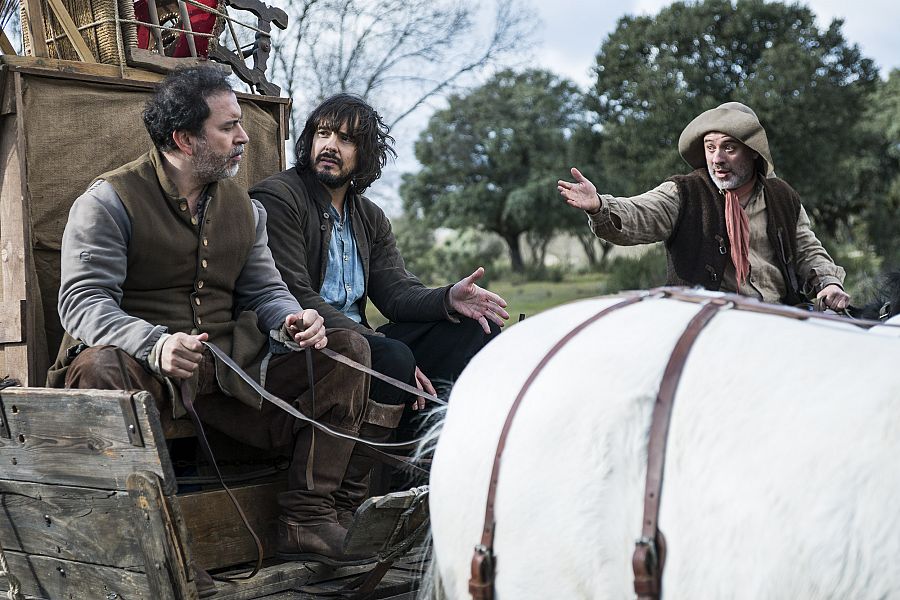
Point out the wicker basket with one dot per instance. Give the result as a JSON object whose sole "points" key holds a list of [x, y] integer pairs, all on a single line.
{"points": [[100, 35]]}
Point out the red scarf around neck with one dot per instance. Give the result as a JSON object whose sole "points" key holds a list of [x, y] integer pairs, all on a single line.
{"points": [[738, 227]]}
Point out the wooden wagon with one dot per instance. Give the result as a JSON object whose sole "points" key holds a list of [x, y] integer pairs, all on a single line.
{"points": [[90, 505]]}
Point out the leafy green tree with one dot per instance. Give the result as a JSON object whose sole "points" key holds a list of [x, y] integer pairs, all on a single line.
{"points": [[809, 87], [880, 178], [416, 240], [491, 160]]}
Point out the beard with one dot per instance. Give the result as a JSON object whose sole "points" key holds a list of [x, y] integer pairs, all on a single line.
{"points": [[740, 173], [328, 178], [211, 166]]}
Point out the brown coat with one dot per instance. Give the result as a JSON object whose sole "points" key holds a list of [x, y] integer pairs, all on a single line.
{"points": [[697, 250], [299, 228]]}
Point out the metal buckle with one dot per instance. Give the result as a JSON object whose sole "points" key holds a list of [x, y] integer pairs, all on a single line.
{"points": [[650, 544]]}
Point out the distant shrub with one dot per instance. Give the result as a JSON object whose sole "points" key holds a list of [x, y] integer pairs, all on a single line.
{"points": [[646, 271], [461, 254]]}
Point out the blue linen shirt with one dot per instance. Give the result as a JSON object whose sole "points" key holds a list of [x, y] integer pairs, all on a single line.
{"points": [[344, 282]]}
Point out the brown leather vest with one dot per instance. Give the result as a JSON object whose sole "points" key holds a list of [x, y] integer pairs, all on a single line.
{"points": [[697, 250], [180, 274]]}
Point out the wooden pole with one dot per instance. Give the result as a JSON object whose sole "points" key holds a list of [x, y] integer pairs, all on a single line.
{"points": [[154, 19], [34, 25], [186, 25], [6, 46], [71, 31]]}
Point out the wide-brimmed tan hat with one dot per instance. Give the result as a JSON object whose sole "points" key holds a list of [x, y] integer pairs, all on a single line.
{"points": [[732, 118]]}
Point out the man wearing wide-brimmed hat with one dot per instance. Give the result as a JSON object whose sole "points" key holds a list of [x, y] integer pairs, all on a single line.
{"points": [[729, 225]]}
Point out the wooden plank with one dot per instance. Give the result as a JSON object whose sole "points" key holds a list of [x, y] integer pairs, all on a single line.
{"points": [[47, 577], [393, 583], [80, 438], [68, 523], [75, 68], [218, 536], [280, 578], [71, 31], [34, 25], [383, 521], [7, 93], [6, 46], [154, 61], [12, 236], [103, 73], [11, 322], [37, 359], [162, 538]]}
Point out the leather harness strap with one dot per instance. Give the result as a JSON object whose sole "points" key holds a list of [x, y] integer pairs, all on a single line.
{"points": [[481, 584], [650, 549], [187, 396]]}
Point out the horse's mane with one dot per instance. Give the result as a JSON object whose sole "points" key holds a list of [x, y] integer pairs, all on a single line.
{"points": [[887, 298]]}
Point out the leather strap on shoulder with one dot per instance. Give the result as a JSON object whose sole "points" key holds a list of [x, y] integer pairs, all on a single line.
{"points": [[481, 584], [650, 549]]}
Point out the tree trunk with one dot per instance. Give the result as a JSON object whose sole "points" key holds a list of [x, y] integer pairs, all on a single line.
{"points": [[588, 243], [515, 252]]}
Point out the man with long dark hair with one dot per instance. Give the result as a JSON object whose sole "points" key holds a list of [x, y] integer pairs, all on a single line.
{"points": [[335, 250], [167, 253]]}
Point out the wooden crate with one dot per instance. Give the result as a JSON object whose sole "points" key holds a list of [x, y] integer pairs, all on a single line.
{"points": [[89, 507]]}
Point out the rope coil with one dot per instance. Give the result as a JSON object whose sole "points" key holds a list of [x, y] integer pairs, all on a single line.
{"points": [[15, 588]]}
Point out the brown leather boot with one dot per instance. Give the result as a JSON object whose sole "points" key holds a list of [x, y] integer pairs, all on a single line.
{"points": [[322, 543], [355, 488], [308, 528]]}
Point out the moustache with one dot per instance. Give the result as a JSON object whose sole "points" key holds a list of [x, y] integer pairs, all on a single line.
{"points": [[332, 157], [237, 151]]}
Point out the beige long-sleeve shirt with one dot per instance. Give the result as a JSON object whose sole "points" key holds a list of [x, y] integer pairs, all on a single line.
{"points": [[651, 217]]}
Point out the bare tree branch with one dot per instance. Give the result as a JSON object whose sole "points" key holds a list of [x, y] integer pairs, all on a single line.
{"points": [[398, 54]]}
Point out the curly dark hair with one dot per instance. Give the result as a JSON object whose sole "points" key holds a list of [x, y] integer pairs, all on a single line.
{"points": [[179, 103], [365, 126]]}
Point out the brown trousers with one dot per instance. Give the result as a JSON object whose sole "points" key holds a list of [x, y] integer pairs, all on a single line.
{"points": [[340, 392]]}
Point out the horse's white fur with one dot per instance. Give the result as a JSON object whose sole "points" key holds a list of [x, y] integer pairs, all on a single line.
{"points": [[780, 481]]}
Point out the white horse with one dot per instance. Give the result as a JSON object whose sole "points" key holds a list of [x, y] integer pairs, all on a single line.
{"points": [[781, 476]]}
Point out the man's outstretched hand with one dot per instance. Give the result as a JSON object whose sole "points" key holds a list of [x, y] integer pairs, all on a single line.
{"points": [[581, 194], [475, 302]]}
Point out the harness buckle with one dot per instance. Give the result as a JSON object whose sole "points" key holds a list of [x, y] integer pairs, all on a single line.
{"points": [[652, 563]]}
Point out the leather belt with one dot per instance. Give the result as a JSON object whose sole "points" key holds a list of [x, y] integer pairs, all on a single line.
{"points": [[481, 583], [650, 549]]}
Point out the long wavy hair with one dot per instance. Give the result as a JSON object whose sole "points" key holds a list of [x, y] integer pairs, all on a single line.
{"points": [[368, 130]]}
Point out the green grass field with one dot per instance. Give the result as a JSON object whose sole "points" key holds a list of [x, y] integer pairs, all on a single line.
{"points": [[529, 298]]}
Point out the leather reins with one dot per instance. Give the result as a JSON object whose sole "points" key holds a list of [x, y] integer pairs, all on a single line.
{"points": [[650, 549], [187, 395]]}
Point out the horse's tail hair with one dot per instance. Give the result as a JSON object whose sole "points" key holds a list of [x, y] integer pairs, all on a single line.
{"points": [[430, 586], [432, 426]]}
